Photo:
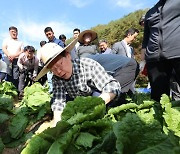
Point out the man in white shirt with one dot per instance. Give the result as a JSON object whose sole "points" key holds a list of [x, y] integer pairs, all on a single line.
{"points": [[76, 33], [12, 48], [42, 80]]}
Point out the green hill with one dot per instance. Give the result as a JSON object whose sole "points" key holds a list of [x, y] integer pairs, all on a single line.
{"points": [[114, 30]]}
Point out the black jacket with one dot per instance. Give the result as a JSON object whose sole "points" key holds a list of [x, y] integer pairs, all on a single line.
{"points": [[162, 31]]}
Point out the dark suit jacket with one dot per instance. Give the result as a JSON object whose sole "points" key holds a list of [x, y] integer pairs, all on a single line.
{"points": [[120, 48]]}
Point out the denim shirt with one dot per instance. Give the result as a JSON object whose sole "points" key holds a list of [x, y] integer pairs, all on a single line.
{"points": [[111, 62], [58, 41]]}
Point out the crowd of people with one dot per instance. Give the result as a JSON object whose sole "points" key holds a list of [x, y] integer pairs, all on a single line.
{"points": [[82, 68]]}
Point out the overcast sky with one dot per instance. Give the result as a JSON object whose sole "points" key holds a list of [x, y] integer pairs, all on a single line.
{"points": [[31, 17]]}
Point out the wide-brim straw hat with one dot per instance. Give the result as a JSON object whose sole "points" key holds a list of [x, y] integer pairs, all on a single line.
{"points": [[48, 54], [81, 35]]}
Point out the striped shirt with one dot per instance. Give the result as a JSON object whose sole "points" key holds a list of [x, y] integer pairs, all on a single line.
{"points": [[87, 76]]}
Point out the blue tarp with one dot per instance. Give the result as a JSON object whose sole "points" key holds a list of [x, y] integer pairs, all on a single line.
{"points": [[143, 90]]}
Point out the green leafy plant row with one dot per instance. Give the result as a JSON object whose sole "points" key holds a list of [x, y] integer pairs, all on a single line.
{"points": [[87, 127], [15, 122]]}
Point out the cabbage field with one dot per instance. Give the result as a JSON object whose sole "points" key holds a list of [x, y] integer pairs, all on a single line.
{"points": [[141, 126]]}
